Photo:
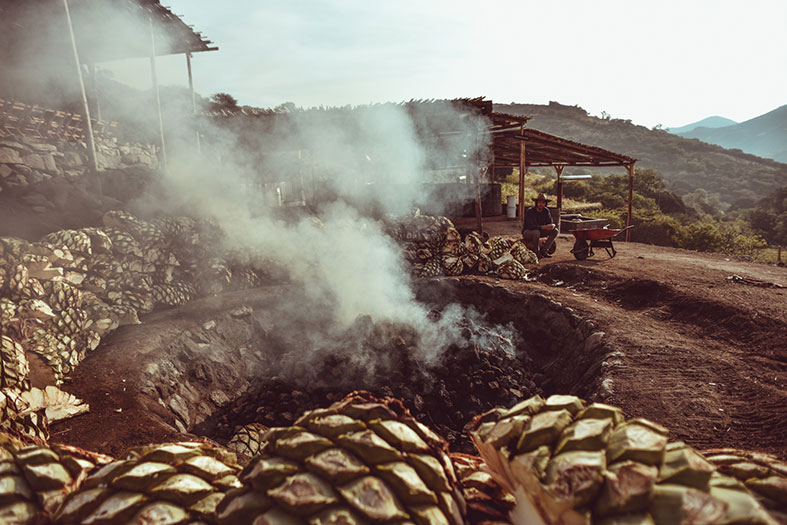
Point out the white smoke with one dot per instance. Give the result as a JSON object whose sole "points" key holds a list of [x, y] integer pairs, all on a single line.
{"points": [[344, 266], [352, 165]]}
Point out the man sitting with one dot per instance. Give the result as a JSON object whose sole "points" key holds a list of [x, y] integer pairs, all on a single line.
{"points": [[539, 223]]}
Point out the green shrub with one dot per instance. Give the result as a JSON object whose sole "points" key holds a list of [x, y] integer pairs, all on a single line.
{"points": [[700, 236], [659, 229]]}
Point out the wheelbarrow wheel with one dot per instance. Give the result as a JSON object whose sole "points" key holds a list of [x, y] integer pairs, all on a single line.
{"points": [[580, 250]]}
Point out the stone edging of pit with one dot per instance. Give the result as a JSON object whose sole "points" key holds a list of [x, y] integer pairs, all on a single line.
{"points": [[571, 351]]}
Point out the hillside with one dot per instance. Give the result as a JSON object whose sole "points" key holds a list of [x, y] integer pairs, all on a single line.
{"points": [[709, 122], [765, 136], [686, 164]]}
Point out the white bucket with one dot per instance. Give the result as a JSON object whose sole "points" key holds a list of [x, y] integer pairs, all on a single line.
{"points": [[511, 206]]}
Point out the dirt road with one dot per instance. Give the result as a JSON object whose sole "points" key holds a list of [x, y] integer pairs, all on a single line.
{"points": [[704, 352]]}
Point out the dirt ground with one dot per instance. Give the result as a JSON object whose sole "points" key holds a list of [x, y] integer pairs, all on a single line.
{"points": [[700, 352], [703, 353]]}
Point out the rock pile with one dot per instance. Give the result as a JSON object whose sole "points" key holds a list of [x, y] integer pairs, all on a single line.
{"points": [[434, 247], [26, 162]]}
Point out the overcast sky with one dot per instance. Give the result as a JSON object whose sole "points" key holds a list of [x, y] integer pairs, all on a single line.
{"points": [[654, 62]]}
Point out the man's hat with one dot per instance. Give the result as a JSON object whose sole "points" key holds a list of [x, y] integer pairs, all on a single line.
{"points": [[541, 196]]}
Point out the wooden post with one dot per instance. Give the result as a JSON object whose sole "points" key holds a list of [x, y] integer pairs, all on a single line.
{"points": [[94, 89], [91, 144], [156, 93], [559, 170], [193, 99], [522, 173], [630, 169], [478, 211]]}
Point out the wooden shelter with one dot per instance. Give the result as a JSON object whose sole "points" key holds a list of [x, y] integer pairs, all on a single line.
{"points": [[514, 145], [50, 34]]}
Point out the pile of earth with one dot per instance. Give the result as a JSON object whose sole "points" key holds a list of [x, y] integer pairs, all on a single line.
{"points": [[484, 370]]}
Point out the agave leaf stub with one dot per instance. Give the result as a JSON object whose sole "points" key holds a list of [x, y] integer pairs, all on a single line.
{"points": [[207, 468], [370, 447], [239, 506], [774, 487], [301, 445], [564, 402], [142, 476], [535, 461], [678, 504], [685, 466], [602, 411], [544, 429], [400, 436], [337, 465], [585, 434], [161, 512], [627, 487], [637, 441], [506, 431], [528, 407], [406, 483], [268, 472], [117, 508], [745, 470], [431, 471], [334, 425], [741, 507], [184, 489], [206, 507], [371, 497], [576, 476], [304, 494]]}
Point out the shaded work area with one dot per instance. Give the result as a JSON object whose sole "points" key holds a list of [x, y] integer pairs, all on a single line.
{"points": [[516, 146], [465, 140], [47, 45]]}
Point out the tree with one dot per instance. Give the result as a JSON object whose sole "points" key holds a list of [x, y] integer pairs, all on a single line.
{"points": [[223, 102]]}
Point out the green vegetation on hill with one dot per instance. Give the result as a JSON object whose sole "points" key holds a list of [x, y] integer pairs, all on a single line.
{"points": [[738, 179], [661, 217]]}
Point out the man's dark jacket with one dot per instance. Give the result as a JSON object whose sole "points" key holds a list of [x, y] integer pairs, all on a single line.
{"points": [[535, 219]]}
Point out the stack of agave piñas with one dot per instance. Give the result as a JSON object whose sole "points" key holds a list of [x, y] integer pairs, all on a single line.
{"points": [[59, 296], [362, 460], [434, 247], [763, 474], [367, 460], [568, 462], [166, 483]]}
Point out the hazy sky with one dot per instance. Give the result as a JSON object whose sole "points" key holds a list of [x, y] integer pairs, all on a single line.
{"points": [[654, 62]]}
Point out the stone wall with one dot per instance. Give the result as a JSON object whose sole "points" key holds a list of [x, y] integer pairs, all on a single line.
{"points": [[26, 162]]}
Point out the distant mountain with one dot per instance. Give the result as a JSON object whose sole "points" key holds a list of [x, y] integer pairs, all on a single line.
{"points": [[710, 122], [686, 164], [765, 136]]}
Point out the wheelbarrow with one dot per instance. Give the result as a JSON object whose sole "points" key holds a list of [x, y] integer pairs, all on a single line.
{"points": [[595, 238]]}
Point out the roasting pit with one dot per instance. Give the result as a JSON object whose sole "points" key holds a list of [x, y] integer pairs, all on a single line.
{"points": [[207, 368]]}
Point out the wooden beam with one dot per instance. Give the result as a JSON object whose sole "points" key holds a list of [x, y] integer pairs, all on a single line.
{"points": [[630, 169], [88, 127], [154, 78]]}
